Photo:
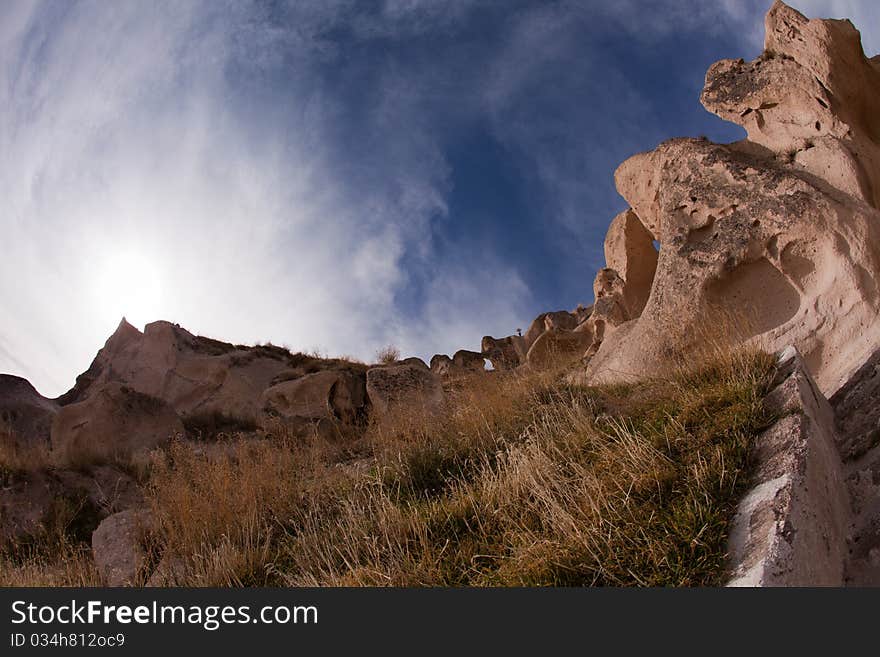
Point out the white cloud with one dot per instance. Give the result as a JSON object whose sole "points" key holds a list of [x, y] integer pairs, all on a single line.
{"points": [[204, 139], [122, 131]]}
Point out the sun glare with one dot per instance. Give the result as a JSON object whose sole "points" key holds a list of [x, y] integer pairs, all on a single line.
{"points": [[129, 285]]}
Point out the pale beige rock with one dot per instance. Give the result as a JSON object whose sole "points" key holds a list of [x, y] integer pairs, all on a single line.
{"points": [[195, 375], [560, 320], [811, 97], [754, 246], [114, 420], [334, 395], [629, 250], [462, 363], [555, 348], [117, 547], [404, 384]]}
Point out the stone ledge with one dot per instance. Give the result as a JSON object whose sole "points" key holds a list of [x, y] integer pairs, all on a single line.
{"points": [[791, 527]]}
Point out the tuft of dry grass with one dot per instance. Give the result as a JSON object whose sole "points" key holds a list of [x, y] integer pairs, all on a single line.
{"points": [[388, 355]]}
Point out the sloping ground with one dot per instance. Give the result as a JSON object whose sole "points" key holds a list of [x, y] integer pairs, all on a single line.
{"points": [[524, 480]]}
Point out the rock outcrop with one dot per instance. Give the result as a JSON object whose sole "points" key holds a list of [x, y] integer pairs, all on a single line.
{"points": [[38, 503], [775, 239], [118, 547], [195, 375], [407, 383], [25, 415], [462, 363], [114, 421], [857, 421], [330, 395]]}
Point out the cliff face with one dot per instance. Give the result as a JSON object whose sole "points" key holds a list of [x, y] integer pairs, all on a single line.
{"points": [[773, 239]]}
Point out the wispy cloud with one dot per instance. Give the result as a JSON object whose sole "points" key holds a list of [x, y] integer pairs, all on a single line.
{"points": [[281, 171]]}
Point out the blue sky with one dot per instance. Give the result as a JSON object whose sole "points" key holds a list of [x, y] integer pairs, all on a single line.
{"points": [[328, 174]]}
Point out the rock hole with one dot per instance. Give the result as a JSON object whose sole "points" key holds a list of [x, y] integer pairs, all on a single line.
{"points": [[818, 126], [796, 263], [822, 102], [759, 286], [702, 233], [656, 245], [824, 88], [487, 365]]}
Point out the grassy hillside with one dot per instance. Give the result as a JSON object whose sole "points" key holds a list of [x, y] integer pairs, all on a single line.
{"points": [[525, 480]]}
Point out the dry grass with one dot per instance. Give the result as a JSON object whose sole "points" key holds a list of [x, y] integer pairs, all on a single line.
{"points": [[629, 485], [21, 458], [524, 480], [388, 355]]}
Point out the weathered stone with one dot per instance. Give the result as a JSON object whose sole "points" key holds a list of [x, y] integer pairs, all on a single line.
{"points": [[441, 364], [112, 421], [118, 550], [756, 245], [403, 384], [629, 250], [505, 353], [791, 527], [556, 348], [335, 395], [469, 361]]}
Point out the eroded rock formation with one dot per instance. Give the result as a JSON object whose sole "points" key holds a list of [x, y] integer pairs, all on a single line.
{"points": [[114, 420], [408, 382], [776, 238]]}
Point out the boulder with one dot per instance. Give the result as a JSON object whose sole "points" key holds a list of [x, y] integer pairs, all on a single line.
{"points": [[555, 348], [118, 547], [333, 394], [404, 384], [559, 319], [113, 421]]}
